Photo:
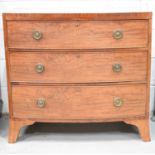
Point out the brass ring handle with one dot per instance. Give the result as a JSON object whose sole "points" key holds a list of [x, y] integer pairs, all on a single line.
{"points": [[118, 102], [39, 68], [37, 35], [117, 34], [41, 103], [117, 67]]}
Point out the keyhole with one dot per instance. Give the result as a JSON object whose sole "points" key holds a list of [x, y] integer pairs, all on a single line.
{"points": [[77, 24]]}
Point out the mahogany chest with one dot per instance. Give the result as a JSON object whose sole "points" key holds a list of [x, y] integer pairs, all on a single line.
{"points": [[78, 68]]}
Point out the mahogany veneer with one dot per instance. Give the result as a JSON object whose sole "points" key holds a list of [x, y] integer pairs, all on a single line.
{"points": [[78, 68]]}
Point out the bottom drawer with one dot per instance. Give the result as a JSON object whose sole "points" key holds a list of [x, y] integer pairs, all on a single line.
{"points": [[79, 102]]}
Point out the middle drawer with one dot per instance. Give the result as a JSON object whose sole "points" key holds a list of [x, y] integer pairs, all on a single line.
{"points": [[78, 67]]}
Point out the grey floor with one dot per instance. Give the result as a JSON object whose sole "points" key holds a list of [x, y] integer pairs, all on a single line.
{"points": [[117, 138]]}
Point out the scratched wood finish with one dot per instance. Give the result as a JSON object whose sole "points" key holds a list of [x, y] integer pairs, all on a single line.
{"points": [[89, 33], [78, 67], [78, 102], [77, 34]]}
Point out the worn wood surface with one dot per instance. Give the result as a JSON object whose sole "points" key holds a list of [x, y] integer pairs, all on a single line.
{"points": [[14, 128], [79, 102], [75, 46], [149, 67], [77, 16], [7, 56], [78, 67], [143, 127], [77, 34]]}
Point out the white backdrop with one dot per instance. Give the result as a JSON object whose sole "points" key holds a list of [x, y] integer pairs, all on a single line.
{"points": [[72, 6]]}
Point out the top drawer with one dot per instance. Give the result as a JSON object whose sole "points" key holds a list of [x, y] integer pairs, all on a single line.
{"points": [[77, 34]]}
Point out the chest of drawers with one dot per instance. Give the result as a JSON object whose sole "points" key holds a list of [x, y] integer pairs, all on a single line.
{"points": [[78, 68]]}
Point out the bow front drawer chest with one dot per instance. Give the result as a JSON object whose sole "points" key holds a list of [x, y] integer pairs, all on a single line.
{"points": [[78, 68]]}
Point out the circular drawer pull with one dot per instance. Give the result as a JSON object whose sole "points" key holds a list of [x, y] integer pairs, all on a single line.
{"points": [[118, 102], [37, 35], [41, 103], [39, 68], [117, 35], [117, 67]]}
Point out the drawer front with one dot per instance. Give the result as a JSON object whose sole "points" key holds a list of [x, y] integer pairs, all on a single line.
{"points": [[77, 34], [79, 102], [76, 67]]}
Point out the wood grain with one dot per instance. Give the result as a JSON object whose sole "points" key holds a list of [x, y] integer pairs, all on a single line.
{"points": [[78, 102], [78, 67], [14, 128], [7, 56], [143, 127], [149, 67], [78, 49], [77, 16], [77, 34]]}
